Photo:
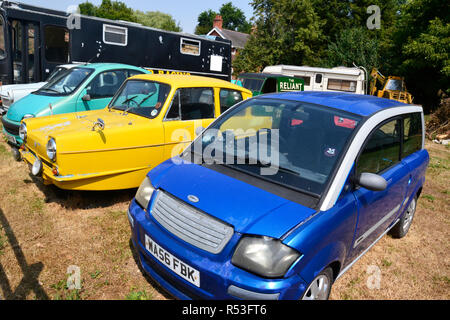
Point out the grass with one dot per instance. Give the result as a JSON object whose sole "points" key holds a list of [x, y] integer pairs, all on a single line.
{"points": [[138, 295], [91, 231]]}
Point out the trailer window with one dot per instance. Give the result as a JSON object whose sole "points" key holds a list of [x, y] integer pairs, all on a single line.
{"points": [[2, 40], [341, 85], [188, 46], [115, 35], [56, 44]]}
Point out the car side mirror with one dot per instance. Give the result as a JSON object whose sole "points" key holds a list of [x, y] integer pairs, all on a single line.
{"points": [[371, 181], [86, 97]]}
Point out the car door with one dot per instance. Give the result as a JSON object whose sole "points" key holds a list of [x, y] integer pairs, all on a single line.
{"points": [[378, 209], [191, 108]]}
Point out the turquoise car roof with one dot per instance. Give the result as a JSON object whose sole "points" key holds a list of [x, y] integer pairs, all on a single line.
{"points": [[107, 66]]}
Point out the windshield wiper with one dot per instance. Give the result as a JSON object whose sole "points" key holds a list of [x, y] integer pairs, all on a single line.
{"points": [[146, 98], [258, 163], [49, 89], [123, 103]]}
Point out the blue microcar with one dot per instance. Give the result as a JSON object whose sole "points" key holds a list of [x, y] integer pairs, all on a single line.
{"points": [[280, 196]]}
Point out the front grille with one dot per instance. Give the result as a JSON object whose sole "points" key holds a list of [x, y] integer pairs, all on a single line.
{"points": [[10, 127], [190, 224]]}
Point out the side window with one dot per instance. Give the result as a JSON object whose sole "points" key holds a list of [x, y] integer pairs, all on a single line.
{"points": [[133, 73], [106, 84], [174, 110], [382, 149], [115, 35], [56, 44], [194, 103], [412, 134], [341, 85], [229, 98], [190, 46]]}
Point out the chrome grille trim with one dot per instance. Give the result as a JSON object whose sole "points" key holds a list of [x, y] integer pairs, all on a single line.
{"points": [[190, 224]]}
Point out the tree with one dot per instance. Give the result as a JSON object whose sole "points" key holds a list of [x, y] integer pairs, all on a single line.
{"points": [[287, 32], [156, 19], [233, 19], [205, 22], [419, 50], [354, 46], [113, 10]]}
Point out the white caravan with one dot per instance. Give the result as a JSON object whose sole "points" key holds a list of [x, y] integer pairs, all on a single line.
{"points": [[324, 79]]}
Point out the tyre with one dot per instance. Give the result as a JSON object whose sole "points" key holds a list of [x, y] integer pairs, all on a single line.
{"points": [[320, 287], [402, 227]]}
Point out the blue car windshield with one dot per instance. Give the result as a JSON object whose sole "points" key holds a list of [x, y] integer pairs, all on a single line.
{"points": [[295, 144], [141, 97], [65, 82]]}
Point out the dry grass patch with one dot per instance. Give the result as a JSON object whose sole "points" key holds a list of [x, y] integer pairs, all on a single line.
{"points": [[44, 231]]}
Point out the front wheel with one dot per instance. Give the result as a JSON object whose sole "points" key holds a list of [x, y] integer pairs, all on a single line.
{"points": [[402, 227], [320, 287]]}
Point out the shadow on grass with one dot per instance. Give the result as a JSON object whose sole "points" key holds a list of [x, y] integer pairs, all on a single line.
{"points": [[153, 283], [31, 273], [72, 199]]}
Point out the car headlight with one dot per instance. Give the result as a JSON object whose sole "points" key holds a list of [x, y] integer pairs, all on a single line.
{"points": [[144, 193], [23, 132], [51, 149], [264, 256], [28, 116]]}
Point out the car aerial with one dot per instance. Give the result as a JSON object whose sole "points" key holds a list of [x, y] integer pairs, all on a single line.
{"points": [[11, 93], [150, 119], [85, 87], [281, 205]]}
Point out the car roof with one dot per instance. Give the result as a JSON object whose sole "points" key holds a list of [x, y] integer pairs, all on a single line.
{"points": [[190, 81], [363, 105], [107, 66]]}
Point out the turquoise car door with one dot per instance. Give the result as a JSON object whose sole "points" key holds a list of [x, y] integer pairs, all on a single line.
{"points": [[100, 90]]}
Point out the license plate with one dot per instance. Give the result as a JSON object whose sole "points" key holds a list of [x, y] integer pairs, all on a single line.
{"points": [[176, 265], [11, 138]]}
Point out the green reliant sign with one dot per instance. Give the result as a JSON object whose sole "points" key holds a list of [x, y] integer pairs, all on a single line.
{"points": [[290, 84]]}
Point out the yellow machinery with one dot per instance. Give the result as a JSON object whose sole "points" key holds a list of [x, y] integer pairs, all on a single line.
{"points": [[392, 87]]}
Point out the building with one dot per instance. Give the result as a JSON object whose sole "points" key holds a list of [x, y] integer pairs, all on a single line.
{"points": [[238, 39]]}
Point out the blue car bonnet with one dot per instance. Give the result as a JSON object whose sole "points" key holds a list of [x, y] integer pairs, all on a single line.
{"points": [[31, 104], [247, 208]]}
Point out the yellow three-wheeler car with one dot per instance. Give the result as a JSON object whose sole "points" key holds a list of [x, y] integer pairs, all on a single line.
{"points": [[150, 119]]}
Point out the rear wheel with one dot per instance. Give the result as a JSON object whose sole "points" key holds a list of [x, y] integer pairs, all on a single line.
{"points": [[320, 287], [402, 227]]}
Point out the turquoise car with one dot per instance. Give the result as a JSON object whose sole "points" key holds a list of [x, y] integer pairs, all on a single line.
{"points": [[86, 87]]}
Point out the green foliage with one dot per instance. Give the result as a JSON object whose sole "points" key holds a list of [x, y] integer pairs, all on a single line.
{"points": [[233, 19], [419, 49], [205, 22], [354, 45], [138, 295], [156, 19], [108, 9], [287, 32]]}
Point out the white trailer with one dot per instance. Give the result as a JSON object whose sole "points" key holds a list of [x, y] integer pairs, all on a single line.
{"points": [[324, 79]]}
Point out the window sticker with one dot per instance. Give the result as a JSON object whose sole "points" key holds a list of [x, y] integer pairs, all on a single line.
{"points": [[296, 122], [330, 152], [345, 123]]}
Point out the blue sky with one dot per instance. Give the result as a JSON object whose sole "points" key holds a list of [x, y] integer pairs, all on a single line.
{"points": [[185, 12]]}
